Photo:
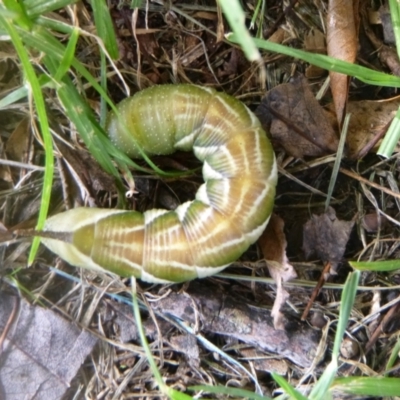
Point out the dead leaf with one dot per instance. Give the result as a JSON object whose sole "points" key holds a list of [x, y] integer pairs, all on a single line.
{"points": [[18, 143], [41, 353], [342, 41], [17, 149], [369, 121], [296, 121], [273, 246], [326, 236]]}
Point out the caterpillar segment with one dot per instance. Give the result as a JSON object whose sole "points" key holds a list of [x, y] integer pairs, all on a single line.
{"points": [[201, 237]]}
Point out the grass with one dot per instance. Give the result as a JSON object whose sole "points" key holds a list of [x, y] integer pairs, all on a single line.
{"points": [[51, 67]]}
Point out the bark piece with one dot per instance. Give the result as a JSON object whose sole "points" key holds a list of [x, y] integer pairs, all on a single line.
{"points": [[222, 314]]}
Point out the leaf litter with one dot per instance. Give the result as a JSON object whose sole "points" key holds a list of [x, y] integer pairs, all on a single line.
{"points": [[251, 323]]}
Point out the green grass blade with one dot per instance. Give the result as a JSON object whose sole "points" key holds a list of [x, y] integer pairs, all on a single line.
{"points": [[320, 390], [394, 355], [230, 391], [332, 64], [37, 95], [395, 15], [391, 138], [289, 389], [150, 359], [69, 55], [20, 15], [377, 266], [105, 28], [35, 8], [175, 395], [13, 97], [368, 386], [346, 305], [236, 18]]}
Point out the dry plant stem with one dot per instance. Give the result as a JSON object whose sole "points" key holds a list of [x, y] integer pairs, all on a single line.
{"points": [[10, 321], [392, 313], [316, 290], [366, 181]]}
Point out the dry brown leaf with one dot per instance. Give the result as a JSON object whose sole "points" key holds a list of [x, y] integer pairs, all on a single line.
{"points": [[273, 246], [19, 142], [342, 43], [369, 121], [296, 121], [17, 147], [41, 353], [326, 236]]}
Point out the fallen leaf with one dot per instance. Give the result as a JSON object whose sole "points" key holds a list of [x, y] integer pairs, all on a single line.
{"points": [[41, 353], [273, 246], [296, 121], [18, 143], [342, 41], [326, 236], [368, 123]]}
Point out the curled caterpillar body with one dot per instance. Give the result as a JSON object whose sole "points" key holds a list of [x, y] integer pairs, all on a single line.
{"points": [[200, 237]]}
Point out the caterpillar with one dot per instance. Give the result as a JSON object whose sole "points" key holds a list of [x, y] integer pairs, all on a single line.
{"points": [[200, 237]]}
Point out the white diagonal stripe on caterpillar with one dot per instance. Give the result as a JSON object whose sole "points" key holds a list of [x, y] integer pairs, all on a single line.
{"points": [[200, 237]]}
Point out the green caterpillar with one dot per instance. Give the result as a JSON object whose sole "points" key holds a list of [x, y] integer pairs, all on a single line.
{"points": [[201, 237]]}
